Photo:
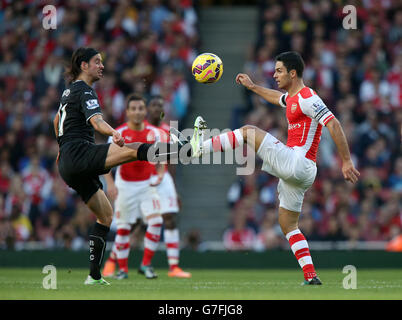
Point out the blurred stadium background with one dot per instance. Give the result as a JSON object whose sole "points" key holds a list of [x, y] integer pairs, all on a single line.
{"points": [[148, 47]]}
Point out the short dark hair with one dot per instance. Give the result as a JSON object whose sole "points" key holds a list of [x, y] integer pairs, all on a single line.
{"points": [[155, 97], [292, 61], [135, 97]]}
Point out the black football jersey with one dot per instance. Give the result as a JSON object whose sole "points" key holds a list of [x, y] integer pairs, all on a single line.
{"points": [[79, 103]]}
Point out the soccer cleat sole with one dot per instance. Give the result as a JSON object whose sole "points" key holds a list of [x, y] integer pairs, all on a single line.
{"points": [[198, 136]]}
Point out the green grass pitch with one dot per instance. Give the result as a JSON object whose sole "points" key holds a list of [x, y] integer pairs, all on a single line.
{"points": [[26, 283]]}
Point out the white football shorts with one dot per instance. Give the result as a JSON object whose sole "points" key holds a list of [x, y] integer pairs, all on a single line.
{"points": [[296, 173], [168, 195], [135, 200]]}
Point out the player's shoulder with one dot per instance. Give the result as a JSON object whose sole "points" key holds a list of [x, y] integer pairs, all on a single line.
{"points": [[308, 97], [152, 128], [149, 126], [307, 92], [122, 127], [82, 88], [80, 85], [164, 126]]}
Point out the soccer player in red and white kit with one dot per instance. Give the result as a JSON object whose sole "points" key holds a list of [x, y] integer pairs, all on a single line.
{"points": [[135, 195], [294, 163], [168, 195]]}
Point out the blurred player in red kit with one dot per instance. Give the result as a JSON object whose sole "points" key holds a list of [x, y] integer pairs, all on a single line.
{"points": [[135, 195], [168, 195]]}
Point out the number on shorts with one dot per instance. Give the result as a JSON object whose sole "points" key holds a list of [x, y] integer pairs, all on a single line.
{"points": [[156, 204], [172, 202]]}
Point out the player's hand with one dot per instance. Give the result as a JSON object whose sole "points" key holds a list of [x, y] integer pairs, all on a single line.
{"points": [[112, 192], [245, 80], [349, 171], [118, 139]]}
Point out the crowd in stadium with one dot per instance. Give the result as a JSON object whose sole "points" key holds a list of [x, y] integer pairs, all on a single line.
{"points": [[357, 73], [147, 47]]}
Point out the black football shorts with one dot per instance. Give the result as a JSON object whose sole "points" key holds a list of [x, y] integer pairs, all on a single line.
{"points": [[80, 164]]}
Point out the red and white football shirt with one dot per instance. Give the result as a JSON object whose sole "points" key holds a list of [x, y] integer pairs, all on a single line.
{"points": [[136, 170], [306, 114], [164, 130], [163, 136]]}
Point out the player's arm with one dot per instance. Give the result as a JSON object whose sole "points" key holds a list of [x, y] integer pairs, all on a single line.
{"points": [[272, 96], [348, 169], [103, 127], [111, 186], [90, 107], [56, 124]]}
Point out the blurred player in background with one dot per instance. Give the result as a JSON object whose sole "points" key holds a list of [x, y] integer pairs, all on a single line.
{"points": [[135, 196], [81, 161], [162, 180], [294, 163], [168, 196]]}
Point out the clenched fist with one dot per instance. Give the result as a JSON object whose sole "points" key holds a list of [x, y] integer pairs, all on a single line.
{"points": [[118, 139], [245, 80]]}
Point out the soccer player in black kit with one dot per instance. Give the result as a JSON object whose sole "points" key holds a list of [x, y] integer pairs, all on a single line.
{"points": [[81, 161]]}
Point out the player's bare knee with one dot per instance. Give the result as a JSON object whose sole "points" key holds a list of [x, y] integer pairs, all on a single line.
{"points": [[107, 216], [106, 219], [169, 221], [154, 219], [247, 128], [287, 227]]}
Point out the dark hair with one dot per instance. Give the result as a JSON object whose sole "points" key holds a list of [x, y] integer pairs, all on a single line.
{"points": [[292, 61], [155, 97], [79, 55], [135, 97]]}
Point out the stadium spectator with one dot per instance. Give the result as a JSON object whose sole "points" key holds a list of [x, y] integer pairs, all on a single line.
{"points": [[240, 236]]}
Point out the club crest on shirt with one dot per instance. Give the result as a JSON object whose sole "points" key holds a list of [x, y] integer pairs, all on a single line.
{"points": [[293, 107], [66, 93]]}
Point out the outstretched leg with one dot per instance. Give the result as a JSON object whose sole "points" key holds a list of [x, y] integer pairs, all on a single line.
{"points": [[231, 140], [155, 152]]}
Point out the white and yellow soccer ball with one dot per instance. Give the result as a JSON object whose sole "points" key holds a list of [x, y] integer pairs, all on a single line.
{"points": [[207, 68]]}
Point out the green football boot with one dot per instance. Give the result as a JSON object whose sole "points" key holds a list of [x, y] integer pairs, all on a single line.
{"points": [[92, 281]]}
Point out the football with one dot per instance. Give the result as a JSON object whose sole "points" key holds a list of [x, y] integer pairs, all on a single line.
{"points": [[207, 68]]}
